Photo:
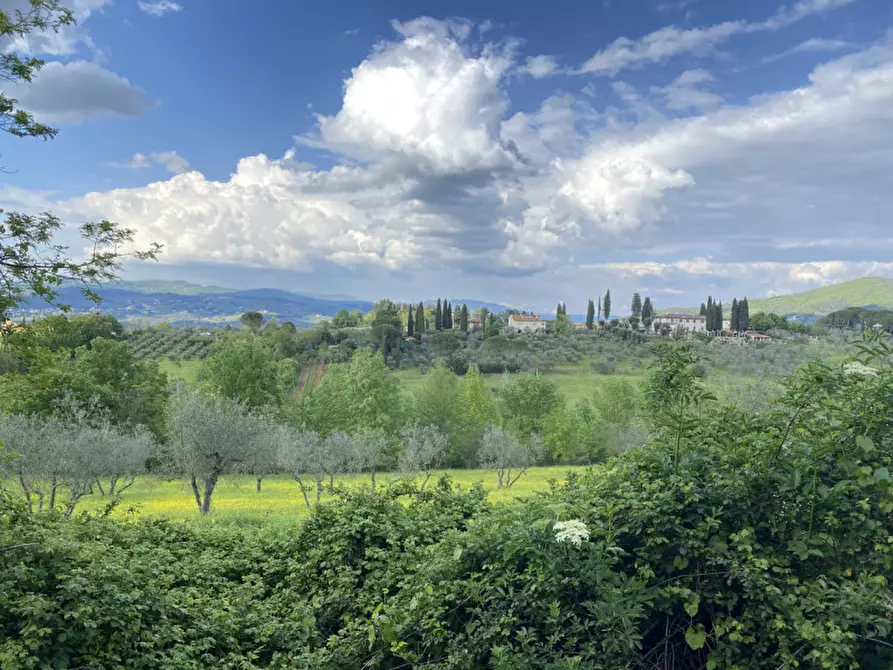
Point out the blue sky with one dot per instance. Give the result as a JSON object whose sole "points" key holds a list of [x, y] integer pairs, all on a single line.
{"points": [[519, 152]]}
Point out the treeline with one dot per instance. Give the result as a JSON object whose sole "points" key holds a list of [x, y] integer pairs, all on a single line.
{"points": [[71, 380], [727, 540]]}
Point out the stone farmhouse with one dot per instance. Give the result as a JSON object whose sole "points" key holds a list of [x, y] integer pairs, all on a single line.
{"points": [[527, 323], [690, 323]]}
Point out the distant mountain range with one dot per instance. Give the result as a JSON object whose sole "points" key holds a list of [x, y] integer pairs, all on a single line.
{"points": [[179, 303], [184, 304], [869, 292]]}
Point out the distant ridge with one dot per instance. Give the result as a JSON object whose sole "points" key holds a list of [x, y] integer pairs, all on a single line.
{"points": [[162, 286], [874, 292]]}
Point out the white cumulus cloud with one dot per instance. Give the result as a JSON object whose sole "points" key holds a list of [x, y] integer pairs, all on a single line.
{"points": [[170, 160], [426, 99], [159, 8]]}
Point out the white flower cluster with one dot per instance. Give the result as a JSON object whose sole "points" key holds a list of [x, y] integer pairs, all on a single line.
{"points": [[859, 369], [573, 532]]}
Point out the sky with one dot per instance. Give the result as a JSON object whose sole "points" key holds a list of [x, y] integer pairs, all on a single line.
{"points": [[524, 153]]}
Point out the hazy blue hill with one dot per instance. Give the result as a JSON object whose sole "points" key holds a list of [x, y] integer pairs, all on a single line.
{"points": [[162, 286], [194, 307]]}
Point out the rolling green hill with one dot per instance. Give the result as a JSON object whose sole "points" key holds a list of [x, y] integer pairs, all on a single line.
{"points": [[870, 291], [867, 292]]}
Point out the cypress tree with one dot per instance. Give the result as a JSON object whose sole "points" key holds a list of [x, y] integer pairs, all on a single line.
{"points": [[445, 316], [647, 313], [703, 311], [438, 316], [420, 319], [590, 314], [744, 314], [463, 318], [710, 314], [558, 310], [599, 309], [734, 317], [450, 316], [410, 331], [636, 306], [606, 305], [717, 316]]}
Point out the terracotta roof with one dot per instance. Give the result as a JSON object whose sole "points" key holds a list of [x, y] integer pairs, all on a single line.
{"points": [[525, 317]]}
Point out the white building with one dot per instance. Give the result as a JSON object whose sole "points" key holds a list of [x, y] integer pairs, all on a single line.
{"points": [[690, 323], [527, 323]]}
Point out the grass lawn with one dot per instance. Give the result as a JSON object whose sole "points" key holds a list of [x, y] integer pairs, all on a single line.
{"points": [[187, 370], [280, 500], [575, 382]]}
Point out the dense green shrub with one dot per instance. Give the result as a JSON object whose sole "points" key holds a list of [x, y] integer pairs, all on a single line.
{"points": [[754, 541]]}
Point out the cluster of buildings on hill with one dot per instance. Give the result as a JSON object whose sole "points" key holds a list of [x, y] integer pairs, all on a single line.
{"points": [[689, 323]]}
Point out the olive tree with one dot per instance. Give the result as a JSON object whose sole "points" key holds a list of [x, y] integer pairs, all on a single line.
{"points": [[337, 456], [299, 452], [211, 436], [261, 460], [32, 458], [503, 452], [303, 452], [124, 459], [371, 449], [425, 449], [58, 459]]}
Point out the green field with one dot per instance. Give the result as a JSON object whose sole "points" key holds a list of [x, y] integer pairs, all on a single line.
{"points": [[280, 500], [575, 382], [187, 370]]}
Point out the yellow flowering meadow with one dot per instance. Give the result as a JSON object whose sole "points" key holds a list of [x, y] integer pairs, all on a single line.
{"points": [[280, 499]]}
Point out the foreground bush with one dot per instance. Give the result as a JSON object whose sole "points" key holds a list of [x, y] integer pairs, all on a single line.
{"points": [[762, 541]]}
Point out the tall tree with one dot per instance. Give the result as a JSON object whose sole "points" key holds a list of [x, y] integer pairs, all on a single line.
{"points": [[744, 315], [438, 316], [710, 314], [606, 305], [253, 321], [30, 262], [485, 313], [386, 326], [703, 311], [636, 305], [448, 316], [647, 313], [599, 311], [717, 316], [420, 319], [410, 332], [558, 311], [243, 370], [590, 314], [463, 318], [733, 319]]}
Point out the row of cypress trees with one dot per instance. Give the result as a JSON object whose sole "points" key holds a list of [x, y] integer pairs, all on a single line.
{"points": [[444, 318]]}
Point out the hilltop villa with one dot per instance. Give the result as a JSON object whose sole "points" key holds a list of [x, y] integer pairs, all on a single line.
{"points": [[690, 323], [527, 323]]}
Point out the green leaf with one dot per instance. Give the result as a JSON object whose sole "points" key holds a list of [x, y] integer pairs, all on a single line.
{"points": [[680, 562], [882, 474], [696, 639], [691, 608], [865, 444]]}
